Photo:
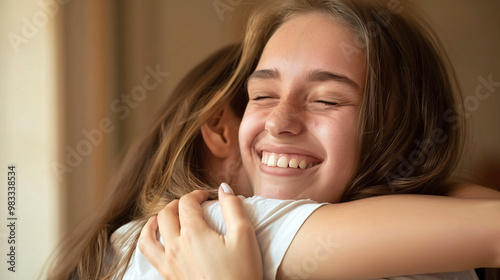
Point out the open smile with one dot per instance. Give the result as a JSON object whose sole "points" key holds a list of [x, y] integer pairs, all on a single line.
{"points": [[287, 160]]}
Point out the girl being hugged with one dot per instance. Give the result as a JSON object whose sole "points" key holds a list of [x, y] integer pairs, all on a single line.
{"points": [[349, 101]]}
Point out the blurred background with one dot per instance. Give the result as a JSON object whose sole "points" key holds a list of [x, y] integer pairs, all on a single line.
{"points": [[74, 97]]}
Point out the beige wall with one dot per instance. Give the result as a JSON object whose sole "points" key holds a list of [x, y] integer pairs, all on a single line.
{"points": [[29, 136]]}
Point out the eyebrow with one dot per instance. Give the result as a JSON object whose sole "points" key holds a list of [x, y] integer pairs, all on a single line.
{"points": [[265, 74], [316, 75], [319, 75]]}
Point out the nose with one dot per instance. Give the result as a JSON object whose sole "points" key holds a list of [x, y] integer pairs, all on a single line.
{"points": [[285, 119]]}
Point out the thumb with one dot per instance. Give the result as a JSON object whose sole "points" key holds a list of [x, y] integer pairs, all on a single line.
{"points": [[233, 212], [226, 188]]}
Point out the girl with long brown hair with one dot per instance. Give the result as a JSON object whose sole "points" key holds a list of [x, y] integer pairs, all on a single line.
{"points": [[394, 83]]}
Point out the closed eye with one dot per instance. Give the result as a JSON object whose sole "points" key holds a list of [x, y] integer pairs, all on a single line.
{"points": [[329, 103], [260, 97]]}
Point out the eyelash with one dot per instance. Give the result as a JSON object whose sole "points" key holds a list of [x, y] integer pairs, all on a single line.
{"points": [[328, 103], [260, 97]]}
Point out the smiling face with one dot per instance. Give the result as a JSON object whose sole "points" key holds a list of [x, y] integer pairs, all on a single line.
{"points": [[298, 137]]}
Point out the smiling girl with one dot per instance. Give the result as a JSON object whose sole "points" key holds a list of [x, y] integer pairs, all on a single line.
{"points": [[332, 121], [300, 125]]}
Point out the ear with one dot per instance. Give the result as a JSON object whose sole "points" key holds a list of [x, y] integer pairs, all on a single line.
{"points": [[218, 132]]}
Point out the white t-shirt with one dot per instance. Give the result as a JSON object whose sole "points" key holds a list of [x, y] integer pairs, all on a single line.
{"points": [[276, 222]]}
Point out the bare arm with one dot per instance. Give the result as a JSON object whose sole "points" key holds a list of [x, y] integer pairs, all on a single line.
{"points": [[395, 235], [381, 237]]}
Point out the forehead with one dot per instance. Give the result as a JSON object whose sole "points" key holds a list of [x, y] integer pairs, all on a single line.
{"points": [[315, 41]]}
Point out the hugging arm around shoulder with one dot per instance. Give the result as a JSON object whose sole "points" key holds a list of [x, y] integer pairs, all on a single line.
{"points": [[334, 238], [398, 235]]}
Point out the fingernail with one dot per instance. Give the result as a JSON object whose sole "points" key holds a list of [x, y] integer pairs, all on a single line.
{"points": [[226, 188]]}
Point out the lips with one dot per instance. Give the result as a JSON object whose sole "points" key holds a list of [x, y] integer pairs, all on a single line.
{"points": [[294, 161]]}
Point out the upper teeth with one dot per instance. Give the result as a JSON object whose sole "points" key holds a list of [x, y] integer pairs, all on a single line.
{"points": [[284, 162]]}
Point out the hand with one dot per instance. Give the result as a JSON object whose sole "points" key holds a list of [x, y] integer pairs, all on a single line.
{"points": [[193, 250]]}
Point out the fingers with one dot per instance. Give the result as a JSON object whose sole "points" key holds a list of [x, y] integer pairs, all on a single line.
{"points": [[150, 247], [234, 214], [240, 232], [168, 221], [190, 212]]}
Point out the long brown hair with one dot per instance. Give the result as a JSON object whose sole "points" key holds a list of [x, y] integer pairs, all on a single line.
{"points": [[164, 165], [411, 134]]}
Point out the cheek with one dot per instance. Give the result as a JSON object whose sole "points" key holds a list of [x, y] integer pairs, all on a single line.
{"points": [[246, 135], [243, 135], [342, 152], [251, 125], [342, 140], [350, 153]]}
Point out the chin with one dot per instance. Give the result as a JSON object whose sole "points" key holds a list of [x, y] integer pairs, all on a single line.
{"points": [[277, 192]]}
